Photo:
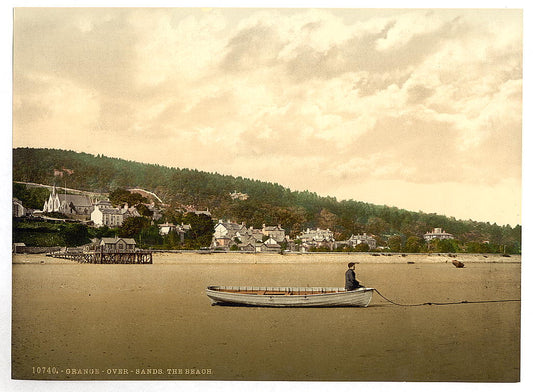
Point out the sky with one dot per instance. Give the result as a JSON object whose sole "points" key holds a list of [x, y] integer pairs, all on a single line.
{"points": [[415, 108]]}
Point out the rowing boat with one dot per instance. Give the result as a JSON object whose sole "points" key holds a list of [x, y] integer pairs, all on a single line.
{"points": [[289, 296]]}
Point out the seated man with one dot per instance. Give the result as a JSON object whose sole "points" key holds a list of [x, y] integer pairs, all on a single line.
{"points": [[351, 282]]}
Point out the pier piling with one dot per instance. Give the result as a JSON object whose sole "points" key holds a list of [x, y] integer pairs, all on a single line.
{"points": [[137, 257]]}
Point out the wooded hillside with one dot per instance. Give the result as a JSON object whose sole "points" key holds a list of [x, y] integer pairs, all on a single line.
{"points": [[267, 203]]}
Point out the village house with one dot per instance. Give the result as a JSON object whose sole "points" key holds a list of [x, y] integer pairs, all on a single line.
{"points": [[107, 244], [19, 247], [292, 245], [438, 233], [192, 209], [238, 196], [130, 212], [68, 204], [270, 245], [342, 245], [104, 214], [316, 238], [203, 212], [309, 245], [18, 209], [166, 228], [249, 239], [274, 232], [316, 235], [248, 247], [355, 240], [156, 212], [226, 232], [230, 234]]}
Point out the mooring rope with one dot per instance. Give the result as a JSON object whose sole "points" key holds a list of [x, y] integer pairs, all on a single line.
{"points": [[445, 303]]}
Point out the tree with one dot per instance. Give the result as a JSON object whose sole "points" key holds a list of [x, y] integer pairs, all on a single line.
{"points": [[447, 245], [171, 215], [201, 232], [144, 211], [121, 196], [30, 197], [376, 225], [132, 226], [395, 243], [327, 219], [172, 240], [362, 247], [103, 231], [74, 234], [413, 244], [149, 236], [474, 247]]}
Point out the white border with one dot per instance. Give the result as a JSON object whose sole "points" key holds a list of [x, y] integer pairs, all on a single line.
{"points": [[6, 384]]}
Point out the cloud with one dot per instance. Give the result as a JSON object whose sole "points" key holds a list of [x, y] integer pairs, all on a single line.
{"points": [[252, 48], [92, 49], [418, 96]]}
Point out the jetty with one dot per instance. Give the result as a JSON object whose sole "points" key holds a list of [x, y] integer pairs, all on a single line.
{"points": [[107, 257]]}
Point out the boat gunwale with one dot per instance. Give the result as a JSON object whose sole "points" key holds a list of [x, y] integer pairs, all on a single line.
{"points": [[284, 291]]}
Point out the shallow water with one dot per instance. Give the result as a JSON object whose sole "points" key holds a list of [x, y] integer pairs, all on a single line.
{"points": [[102, 318]]}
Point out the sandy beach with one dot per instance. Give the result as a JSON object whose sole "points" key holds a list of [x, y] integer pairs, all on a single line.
{"points": [[79, 321]]}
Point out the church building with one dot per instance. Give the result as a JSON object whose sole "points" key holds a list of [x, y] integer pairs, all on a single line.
{"points": [[68, 204]]}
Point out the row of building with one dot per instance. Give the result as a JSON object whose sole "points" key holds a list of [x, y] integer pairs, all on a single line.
{"points": [[100, 212], [227, 235], [231, 235]]}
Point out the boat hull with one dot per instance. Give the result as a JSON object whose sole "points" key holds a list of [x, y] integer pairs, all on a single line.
{"points": [[289, 296]]}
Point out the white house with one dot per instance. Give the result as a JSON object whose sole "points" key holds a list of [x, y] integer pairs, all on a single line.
{"points": [[270, 245], [238, 196], [104, 214], [166, 228], [224, 229], [438, 233], [226, 232]]}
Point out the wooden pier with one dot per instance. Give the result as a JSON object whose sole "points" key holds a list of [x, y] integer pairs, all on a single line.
{"points": [[100, 257]]}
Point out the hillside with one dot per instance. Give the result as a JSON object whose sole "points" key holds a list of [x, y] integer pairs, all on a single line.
{"points": [[265, 203]]}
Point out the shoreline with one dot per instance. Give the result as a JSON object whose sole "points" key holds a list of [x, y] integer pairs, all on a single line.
{"points": [[295, 258]]}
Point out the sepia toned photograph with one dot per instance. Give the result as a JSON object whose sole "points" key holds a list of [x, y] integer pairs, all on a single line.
{"points": [[267, 194]]}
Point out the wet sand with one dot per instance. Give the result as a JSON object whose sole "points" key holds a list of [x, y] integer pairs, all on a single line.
{"points": [[111, 319]]}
